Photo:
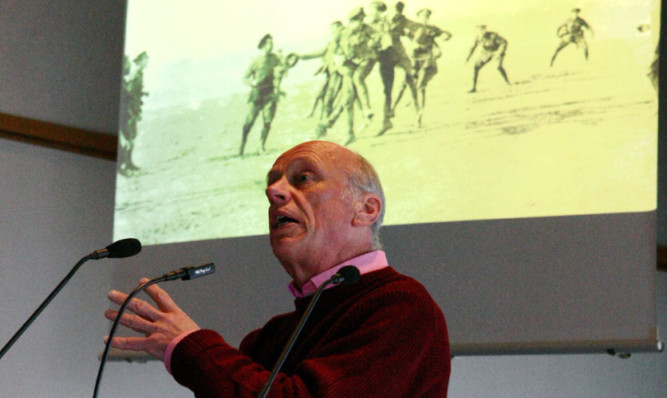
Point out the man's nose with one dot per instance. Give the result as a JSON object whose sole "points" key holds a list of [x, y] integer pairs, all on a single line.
{"points": [[278, 192]]}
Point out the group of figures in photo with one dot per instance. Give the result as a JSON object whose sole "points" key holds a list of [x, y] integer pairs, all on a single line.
{"points": [[370, 38]]}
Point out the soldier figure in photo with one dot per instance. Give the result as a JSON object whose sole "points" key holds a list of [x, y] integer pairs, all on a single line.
{"points": [[263, 76], [132, 94], [356, 44], [425, 55], [124, 149], [359, 44], [572, 32], [392, 56], [332, 62], [493, 47]]}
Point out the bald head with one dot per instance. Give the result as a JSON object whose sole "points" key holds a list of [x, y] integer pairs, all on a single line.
{"points": [[361, 176], [326, 206]]}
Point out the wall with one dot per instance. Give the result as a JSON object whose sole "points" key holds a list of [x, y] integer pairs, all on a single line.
{"points": [[61, 63], [55, 210]]}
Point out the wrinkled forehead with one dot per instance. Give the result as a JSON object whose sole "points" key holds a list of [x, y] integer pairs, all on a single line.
{"points": [[317, 150], [322, 153]]}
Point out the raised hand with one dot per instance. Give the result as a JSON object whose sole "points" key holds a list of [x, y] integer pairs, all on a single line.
{"points": [[159, 325]]}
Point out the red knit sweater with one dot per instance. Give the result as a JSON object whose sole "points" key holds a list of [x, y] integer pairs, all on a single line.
{"points": [[381, 337]]}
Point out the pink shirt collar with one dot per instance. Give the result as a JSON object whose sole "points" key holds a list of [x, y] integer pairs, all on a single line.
{"points": [[367, 262]]}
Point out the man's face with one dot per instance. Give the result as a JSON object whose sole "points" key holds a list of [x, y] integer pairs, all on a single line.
{"points": [[336, 30], [310, 212], [268, 46]]}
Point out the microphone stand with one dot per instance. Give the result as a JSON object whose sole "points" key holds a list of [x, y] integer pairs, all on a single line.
{"points": [[46, 302], [290, 343]]}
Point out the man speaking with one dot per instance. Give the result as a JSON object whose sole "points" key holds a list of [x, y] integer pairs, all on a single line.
{"points": [[383, 336]]}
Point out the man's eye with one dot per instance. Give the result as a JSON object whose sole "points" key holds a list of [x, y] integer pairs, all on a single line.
{"points": [[302, 178]]}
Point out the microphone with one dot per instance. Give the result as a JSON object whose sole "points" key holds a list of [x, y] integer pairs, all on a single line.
{"points": [[346, 275], [121, 248], [185, 273], [191, 272]]}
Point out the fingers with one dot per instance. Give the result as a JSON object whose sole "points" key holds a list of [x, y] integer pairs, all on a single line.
{"points": [[139, 307], [117, 297], [133, 322], [159, 325], [127, 343], [135, 344], [161, 298], [143, 308]]}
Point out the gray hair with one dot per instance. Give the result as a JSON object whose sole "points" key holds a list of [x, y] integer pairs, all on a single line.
{"points": [[363, 179]]}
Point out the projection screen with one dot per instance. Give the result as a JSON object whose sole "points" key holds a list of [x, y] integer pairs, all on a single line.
{"points": [[523, 192]]}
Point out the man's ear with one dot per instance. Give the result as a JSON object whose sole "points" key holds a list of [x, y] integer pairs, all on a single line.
{"points": [[368, 210]]}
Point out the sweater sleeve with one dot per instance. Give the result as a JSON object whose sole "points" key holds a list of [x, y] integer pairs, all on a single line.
{"points": [[387, 344], [207, 365]]}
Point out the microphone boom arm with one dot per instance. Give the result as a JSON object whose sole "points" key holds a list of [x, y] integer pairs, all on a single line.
{"points": [[122, 248], [39, 309]]}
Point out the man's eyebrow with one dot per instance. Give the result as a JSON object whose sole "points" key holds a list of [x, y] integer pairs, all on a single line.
{"points": [[272, 175]]}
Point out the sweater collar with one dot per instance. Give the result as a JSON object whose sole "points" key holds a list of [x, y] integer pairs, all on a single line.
{"points": [[367, 262]]}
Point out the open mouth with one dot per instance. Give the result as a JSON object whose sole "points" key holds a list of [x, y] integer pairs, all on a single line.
{"points": [[280, 221]]}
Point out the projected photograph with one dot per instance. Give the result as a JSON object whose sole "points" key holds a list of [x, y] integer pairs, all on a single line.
{"points": [[470, 110]]}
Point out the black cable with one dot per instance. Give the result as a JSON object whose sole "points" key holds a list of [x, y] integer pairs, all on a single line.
{"points": [[107, 346]]}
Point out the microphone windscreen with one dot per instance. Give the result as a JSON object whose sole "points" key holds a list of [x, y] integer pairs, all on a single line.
{"points": [[124, 248], [350, 274]]}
